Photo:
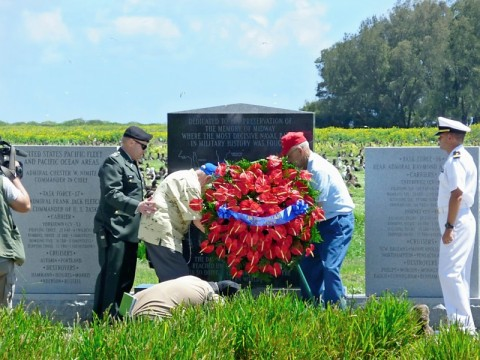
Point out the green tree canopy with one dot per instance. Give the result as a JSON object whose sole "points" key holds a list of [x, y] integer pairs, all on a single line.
{"points": [[404, 70]]}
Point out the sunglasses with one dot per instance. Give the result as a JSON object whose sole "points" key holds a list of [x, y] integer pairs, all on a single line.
{"points": [[144, 147]]}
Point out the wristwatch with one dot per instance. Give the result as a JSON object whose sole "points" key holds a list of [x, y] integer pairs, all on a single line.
{"points": [[448, 225]]}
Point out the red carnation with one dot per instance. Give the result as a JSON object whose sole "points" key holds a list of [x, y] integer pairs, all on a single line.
{"points": [[305, 175], [268, 198], [247, 180], [309, 250], [196, 204], [249, 268], [262, 184], [221, 169], [276, 176], [274, 162], [220, 251], [236, 274], [296, 248], [276, 269], [283, 253], [290, 173], [206, 247]]}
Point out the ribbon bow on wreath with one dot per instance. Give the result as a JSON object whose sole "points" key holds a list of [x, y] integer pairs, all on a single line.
{"points": [[259, 216]]}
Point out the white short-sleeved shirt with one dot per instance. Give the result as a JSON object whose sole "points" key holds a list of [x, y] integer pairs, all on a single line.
{"points": [[11, 191], [171, 221], [334, 196], [459, 171]]}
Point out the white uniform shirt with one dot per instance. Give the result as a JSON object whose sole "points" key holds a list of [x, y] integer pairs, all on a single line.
{"points": [[459, 171]]}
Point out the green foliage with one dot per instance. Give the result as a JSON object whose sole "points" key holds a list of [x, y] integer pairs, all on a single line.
{"points": [[405, 69], [272, 325], [330, 139], [75, 132], [21, 332], [451, 343], [142, 251]]}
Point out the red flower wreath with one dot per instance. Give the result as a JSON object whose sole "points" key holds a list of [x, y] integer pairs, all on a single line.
{"points": [[259, 216]]}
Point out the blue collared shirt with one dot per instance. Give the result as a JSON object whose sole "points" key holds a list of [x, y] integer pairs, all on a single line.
{"points": [[334, 197]]}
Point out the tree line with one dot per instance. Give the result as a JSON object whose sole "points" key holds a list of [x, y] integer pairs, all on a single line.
{"points": [[405, 69]]}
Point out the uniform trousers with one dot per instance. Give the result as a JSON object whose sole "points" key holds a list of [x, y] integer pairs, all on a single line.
{"points": [[7, 282], [118, 262], [454, 268], [168, 263]]}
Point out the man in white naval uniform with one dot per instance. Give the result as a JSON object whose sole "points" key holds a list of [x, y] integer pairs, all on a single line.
{"points": [[457, 186]]}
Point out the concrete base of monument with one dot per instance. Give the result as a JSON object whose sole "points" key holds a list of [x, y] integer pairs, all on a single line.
{"points": [[67, 308]]}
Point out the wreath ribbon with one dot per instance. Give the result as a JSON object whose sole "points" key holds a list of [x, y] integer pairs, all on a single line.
{"points": [[282, 217]]}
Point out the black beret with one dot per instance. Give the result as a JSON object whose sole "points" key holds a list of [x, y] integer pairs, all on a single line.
{"points": [[135, 132]]}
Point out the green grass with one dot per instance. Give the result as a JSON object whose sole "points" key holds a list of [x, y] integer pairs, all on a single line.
{"points": [[273, 325], [353, 269], [144, 274]]}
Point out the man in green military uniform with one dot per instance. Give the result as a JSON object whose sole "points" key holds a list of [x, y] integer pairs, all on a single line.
{"points": [[117, 220]]}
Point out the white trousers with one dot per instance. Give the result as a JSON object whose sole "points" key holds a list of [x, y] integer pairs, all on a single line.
{"points": [[454, 269]]}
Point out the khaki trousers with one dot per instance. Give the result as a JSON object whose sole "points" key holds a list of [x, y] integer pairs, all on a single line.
{"points": [[7, 282]]}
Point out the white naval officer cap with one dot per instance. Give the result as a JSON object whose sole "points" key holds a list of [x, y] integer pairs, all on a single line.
{"points": [[452, 126]]}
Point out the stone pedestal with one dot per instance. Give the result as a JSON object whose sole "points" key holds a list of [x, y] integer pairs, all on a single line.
{"points": [[402, 235], [67, 308]]}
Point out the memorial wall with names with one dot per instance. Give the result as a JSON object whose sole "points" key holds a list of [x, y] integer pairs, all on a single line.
{"points": [[401, 228], [60, 246]]}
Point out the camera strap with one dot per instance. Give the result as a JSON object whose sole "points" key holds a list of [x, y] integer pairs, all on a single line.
{"points": [[7, 172], [11, 160]]}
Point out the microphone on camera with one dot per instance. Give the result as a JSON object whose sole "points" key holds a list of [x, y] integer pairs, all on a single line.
{"points": [[21, 153]]}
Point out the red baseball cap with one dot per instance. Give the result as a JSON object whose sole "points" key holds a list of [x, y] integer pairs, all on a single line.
{"points": [[291, 139]]}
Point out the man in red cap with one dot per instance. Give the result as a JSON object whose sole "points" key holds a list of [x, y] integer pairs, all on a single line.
{"points": [[322, 271]]}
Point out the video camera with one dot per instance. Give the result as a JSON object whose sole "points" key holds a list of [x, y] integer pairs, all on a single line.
{"points": [[8, 155]]}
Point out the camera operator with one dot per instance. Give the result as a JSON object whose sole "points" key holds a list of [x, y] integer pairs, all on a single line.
{"points": [[13, 196]]}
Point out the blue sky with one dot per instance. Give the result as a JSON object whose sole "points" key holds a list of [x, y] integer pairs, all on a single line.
{"points": [[137, 60]]}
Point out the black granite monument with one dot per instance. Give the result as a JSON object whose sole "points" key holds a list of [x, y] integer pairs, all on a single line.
{"points": [[229, 133]]}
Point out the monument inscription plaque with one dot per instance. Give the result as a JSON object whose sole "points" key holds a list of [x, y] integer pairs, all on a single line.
{"points": [[401, 226], [60, 247], [231, 132]]}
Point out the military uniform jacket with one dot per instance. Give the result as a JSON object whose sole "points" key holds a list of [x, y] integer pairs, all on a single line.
{"points": [[121, 189]]}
